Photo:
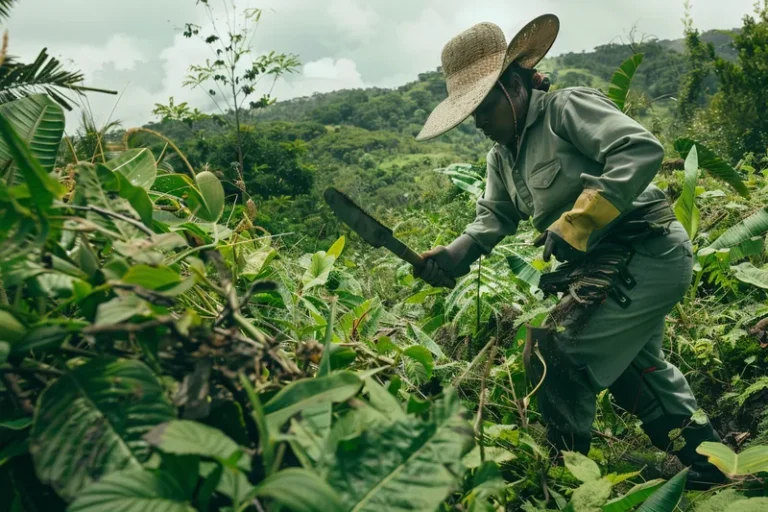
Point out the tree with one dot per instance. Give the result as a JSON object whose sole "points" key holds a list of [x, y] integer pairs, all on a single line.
{"points": [[737, 111], [236, 72], [701, 58], [271, 167]]}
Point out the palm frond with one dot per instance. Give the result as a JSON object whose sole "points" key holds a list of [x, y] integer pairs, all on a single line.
{"points": [[5, 7], [46, 74]]}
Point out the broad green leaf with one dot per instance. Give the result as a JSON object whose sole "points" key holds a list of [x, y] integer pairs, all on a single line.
{"points": [[39, 122], [337, 247], [152, 278], [137, 165], [91, 423], [425, 341], [713, 164], [472, 188], [232, 483], [749, 462], [422, 356], [753, 226], [183, 187], [622, 79], [686, 210], [184, 437], [581, 466], [44, 338], [133, 490], [5, 351], [590, 496], [633, 497], [98, 186], [383, 400], [11, 330], [25, 168], [136, 196], [748, 273], [212, 193], [523, 270], [300, 491], [666, 498], [492, 453], [120, 309], [299, 395], [319, 267], [407, 465]]}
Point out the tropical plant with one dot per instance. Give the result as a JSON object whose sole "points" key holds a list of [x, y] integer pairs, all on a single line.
{"points": [[236, 73]]}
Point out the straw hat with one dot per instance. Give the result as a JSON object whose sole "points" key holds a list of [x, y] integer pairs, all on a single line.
{"points": [[476, 58]]}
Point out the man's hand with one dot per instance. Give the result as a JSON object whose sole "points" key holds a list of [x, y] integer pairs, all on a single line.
{"points": [[437, 271], [556, 246]]}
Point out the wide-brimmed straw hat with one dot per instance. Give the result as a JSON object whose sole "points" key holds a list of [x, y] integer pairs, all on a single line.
{"points": [[476, 58]]}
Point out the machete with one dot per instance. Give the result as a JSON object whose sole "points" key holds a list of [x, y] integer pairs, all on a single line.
{"points": [[371, 230]]}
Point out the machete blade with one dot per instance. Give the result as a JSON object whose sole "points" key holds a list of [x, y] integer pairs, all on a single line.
{"points": [[371, 230]]}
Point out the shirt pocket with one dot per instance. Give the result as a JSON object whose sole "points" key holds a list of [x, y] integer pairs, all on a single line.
{"points": [[544, 175]]}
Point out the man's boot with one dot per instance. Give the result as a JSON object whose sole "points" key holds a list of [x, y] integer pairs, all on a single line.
{"points": [[702, 475]]}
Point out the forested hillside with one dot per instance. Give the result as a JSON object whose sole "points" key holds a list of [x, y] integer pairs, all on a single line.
{"points": [[186, 325]]}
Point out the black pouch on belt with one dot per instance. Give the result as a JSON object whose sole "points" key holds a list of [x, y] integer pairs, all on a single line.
{"points": [[602, 275]]}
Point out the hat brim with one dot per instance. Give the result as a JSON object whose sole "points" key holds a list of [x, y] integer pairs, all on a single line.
{"points": [[529, 46], [453, 110], [532, 43]]}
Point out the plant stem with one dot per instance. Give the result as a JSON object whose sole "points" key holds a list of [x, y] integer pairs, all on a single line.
{"points": [[477, 305], [481, 405]]}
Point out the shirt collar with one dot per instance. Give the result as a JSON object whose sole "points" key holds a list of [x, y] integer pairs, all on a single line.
{"points": [[535, 107]]}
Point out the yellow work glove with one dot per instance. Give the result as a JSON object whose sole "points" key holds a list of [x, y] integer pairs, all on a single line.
{"points": [[567, 238]]}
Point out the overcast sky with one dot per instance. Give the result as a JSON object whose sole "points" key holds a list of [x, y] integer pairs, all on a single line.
{"points": [[136, 46]]}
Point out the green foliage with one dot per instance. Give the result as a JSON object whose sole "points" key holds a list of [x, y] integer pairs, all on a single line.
{"points": [[102, 408], [370, 477], [685, 208], [188, 328], [44, 75], [736, 111], [668, 495], [622, 79], [133, 490], [749, 462], [712, 163], [39, 122]]}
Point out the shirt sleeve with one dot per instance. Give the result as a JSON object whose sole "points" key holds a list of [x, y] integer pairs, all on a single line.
{"points": [[496, 214], [630, 154]]}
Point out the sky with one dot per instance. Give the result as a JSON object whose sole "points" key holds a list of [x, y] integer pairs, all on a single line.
{"points": [[137, 48]]}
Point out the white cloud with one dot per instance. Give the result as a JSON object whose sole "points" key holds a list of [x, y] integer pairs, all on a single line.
{"points": [[352, 18], [323, 75]]}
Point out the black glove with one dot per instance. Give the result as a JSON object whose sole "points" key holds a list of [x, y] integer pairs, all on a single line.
{"points": [[556, 246], [445, 264]]}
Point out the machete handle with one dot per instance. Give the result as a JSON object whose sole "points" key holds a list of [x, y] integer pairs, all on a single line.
{"points": [[413, 258]]}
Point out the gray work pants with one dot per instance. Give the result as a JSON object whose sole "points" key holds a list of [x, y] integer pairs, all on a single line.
{"points": [[621, 349]]}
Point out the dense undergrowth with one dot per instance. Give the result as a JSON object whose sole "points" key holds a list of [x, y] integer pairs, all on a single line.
{"points": [[174, 339]]}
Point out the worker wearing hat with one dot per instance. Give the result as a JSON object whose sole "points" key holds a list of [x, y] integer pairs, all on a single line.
{"points": [[581, 171]]}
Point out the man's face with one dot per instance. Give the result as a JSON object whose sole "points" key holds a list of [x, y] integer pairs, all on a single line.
{"points": [[494, 117]]}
